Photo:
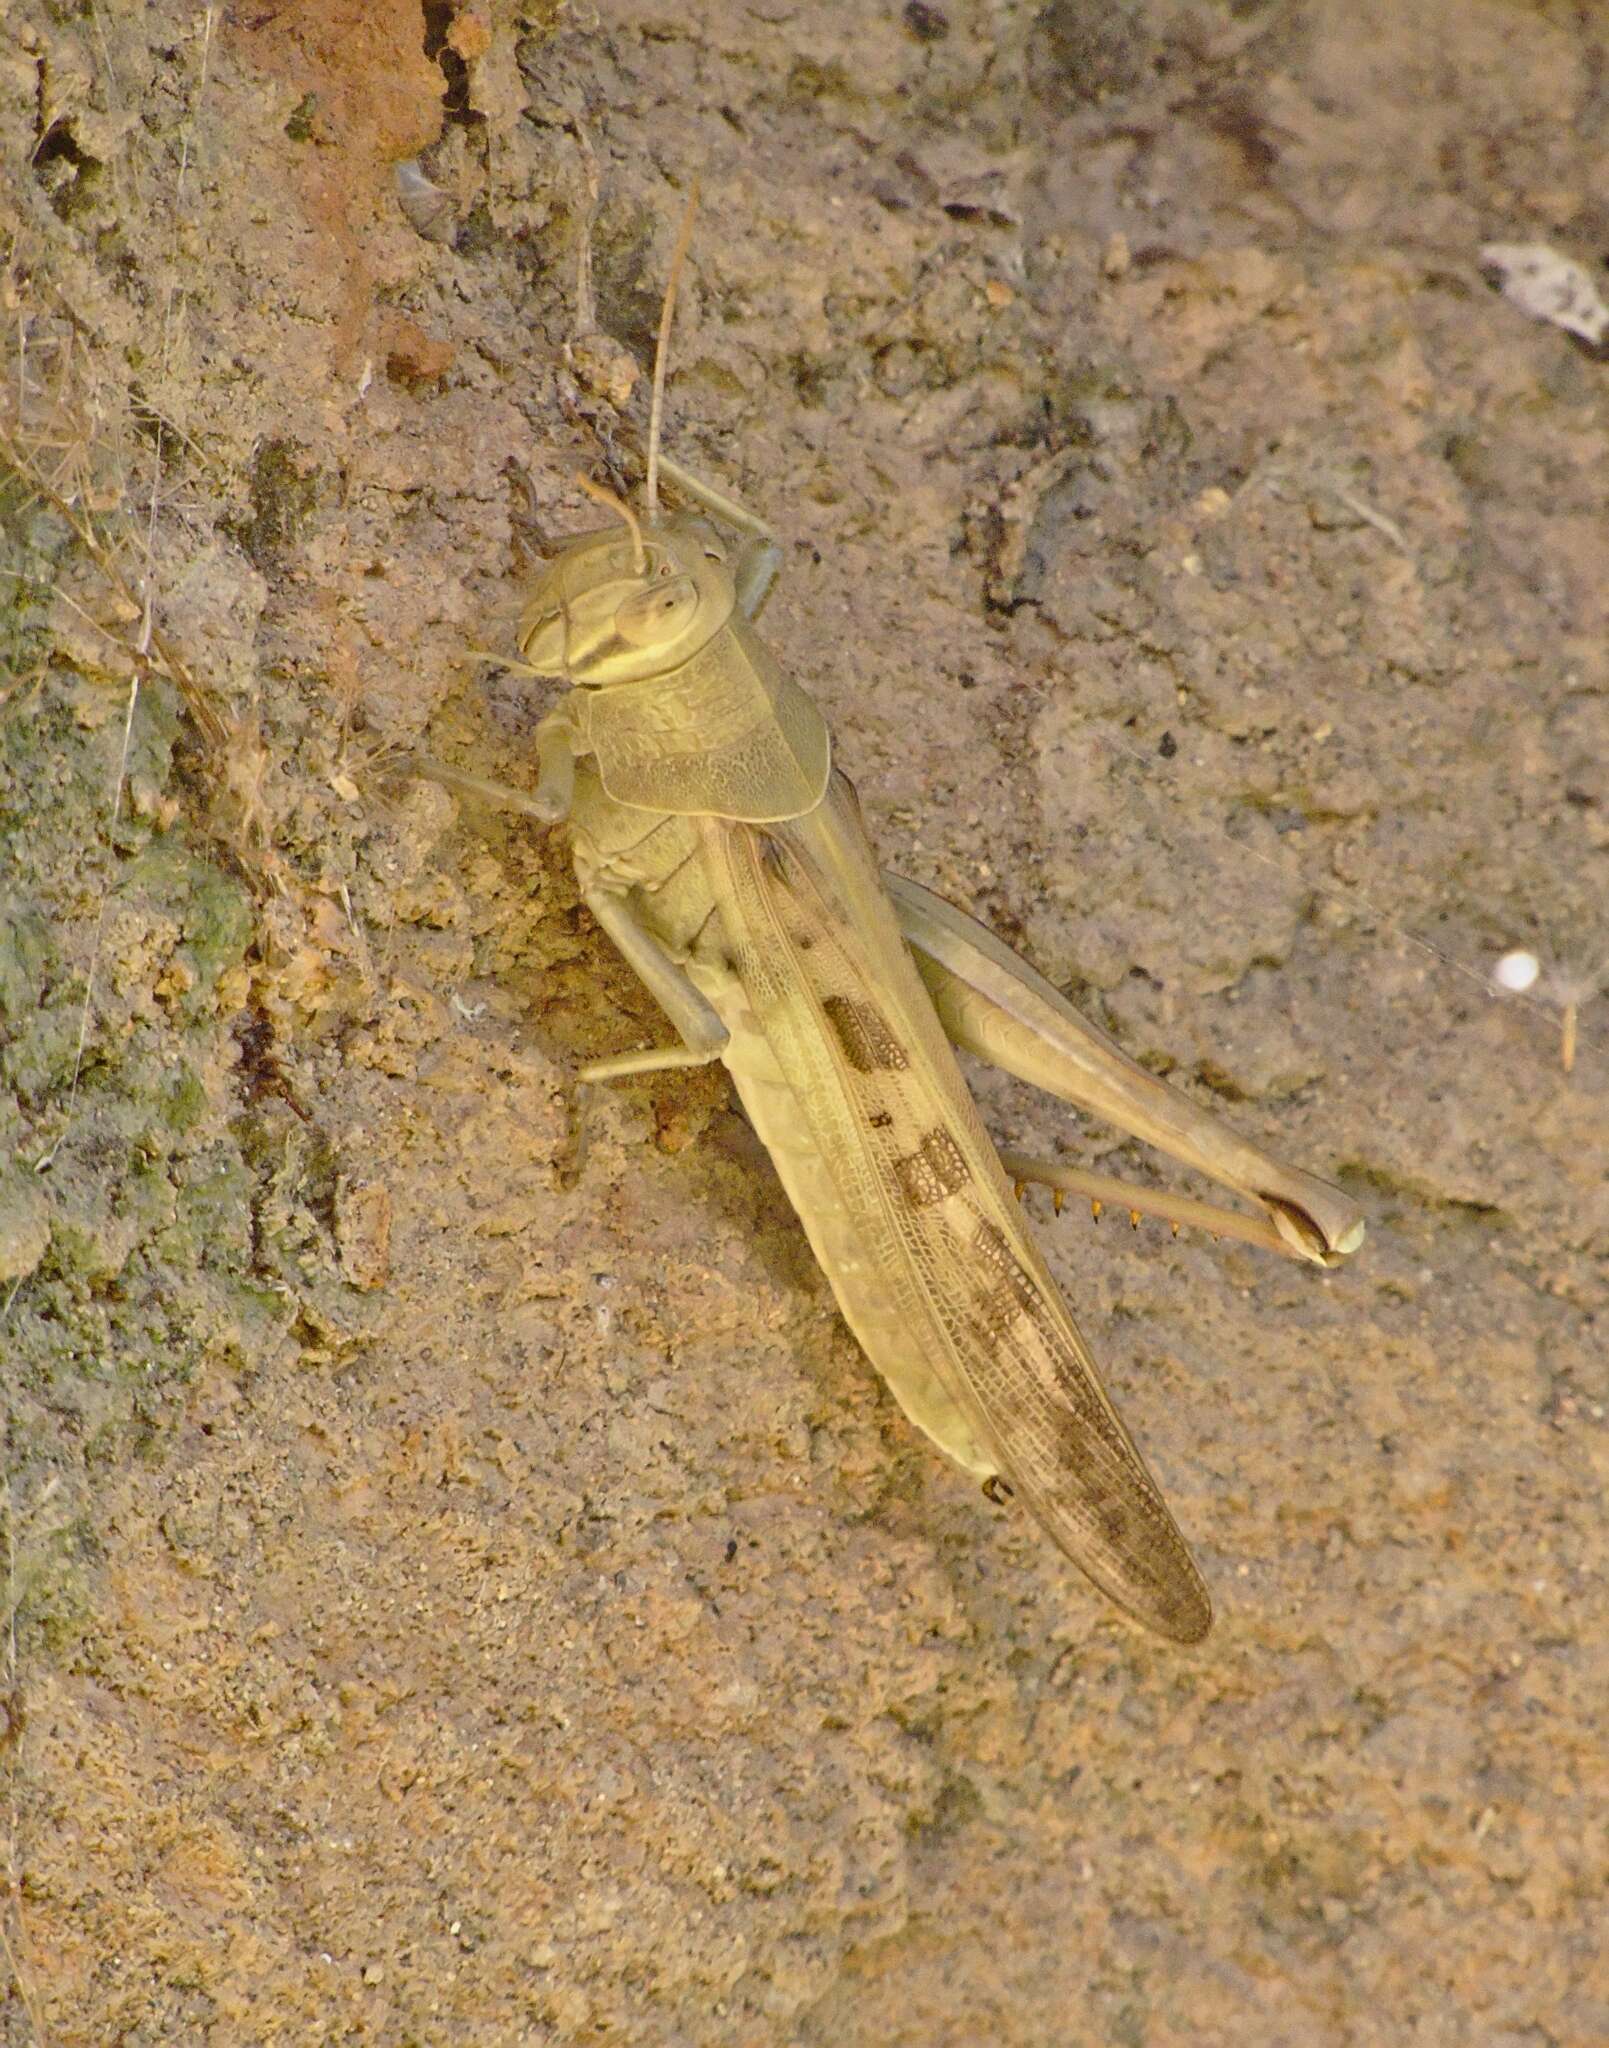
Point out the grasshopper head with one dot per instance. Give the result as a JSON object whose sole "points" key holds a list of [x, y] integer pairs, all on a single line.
{"points": [[613, 609]]}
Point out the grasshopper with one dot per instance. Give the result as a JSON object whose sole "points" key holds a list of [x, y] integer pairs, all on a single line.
{"points": [[723, 853]]}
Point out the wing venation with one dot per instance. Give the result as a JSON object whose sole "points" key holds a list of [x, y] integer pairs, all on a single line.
{"points": [[838, 998]]}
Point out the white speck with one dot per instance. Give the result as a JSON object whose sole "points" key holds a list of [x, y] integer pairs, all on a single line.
{"points": [[1517, 971]]}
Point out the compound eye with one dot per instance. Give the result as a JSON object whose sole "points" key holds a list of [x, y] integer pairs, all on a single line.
{"points": [[658, 614]]}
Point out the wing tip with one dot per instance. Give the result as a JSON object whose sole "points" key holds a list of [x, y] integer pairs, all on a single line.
{"points": [[1155, 1583], [1176, 1606], [1187, 1619]]}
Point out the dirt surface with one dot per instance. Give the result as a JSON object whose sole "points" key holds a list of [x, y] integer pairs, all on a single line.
{"points": [[466, 1584]]}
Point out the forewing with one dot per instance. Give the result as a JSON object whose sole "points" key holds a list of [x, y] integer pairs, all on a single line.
{"points": [[833, 985]]}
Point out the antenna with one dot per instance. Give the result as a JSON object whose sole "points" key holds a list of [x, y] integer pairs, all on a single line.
{"points": [[662, 351], [600, 496]]}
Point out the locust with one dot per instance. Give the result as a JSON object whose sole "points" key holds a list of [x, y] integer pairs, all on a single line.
{"points": [[722, 850]]}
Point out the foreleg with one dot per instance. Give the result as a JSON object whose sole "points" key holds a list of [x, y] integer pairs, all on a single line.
{"points": [[703, 1035]]}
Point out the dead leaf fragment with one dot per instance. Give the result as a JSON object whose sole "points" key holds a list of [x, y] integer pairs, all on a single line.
{"points": [[1546, 285]]}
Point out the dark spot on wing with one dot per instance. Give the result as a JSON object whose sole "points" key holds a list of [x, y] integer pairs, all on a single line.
{"points": [[860, 1028], [803, 941], [1010, 1292], [880, 1120], [935, 1169], [1012, 1295]]}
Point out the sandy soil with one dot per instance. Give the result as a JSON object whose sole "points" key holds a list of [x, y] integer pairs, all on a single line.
{"points": [[466, 1585]]}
